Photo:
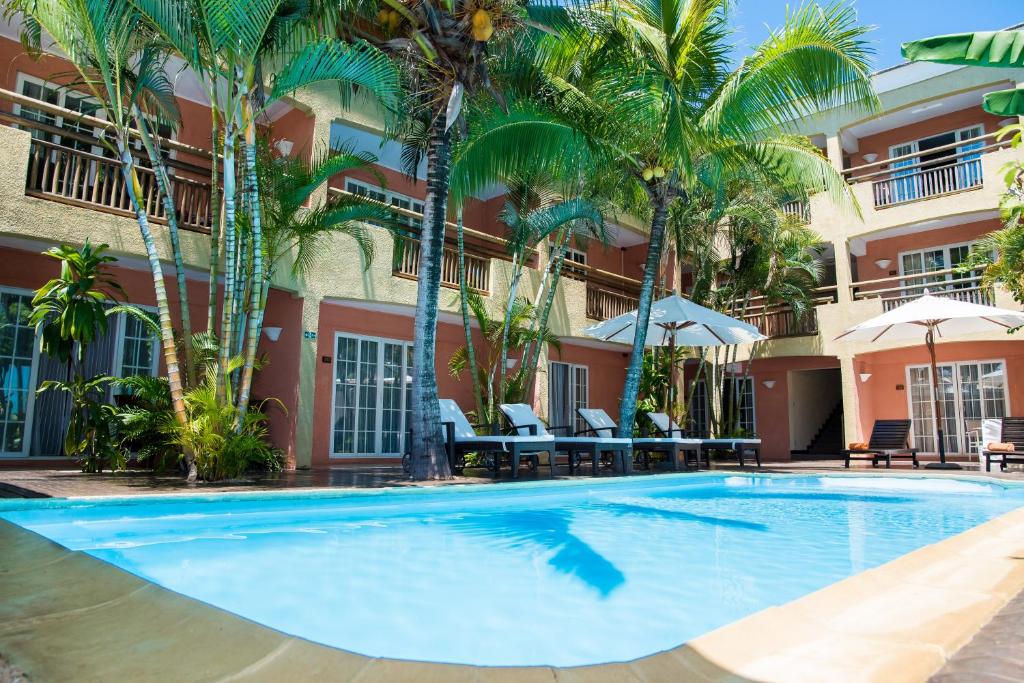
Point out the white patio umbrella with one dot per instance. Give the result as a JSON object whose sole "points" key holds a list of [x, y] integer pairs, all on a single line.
{"points": [[677, 321], [936, 316]]}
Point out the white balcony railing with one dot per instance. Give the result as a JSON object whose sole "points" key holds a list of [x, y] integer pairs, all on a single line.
{"points": [[921, 184]]}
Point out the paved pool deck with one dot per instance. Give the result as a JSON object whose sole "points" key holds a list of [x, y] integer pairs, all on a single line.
{"points": [[68, 616]]}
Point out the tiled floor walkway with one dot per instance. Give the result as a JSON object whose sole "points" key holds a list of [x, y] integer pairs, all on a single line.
{"points": [[995, 655]]}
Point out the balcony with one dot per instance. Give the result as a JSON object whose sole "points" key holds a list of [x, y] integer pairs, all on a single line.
{"points": [[407, 265], [779, 321], [799, 210], [69, 165], [949, 283]]}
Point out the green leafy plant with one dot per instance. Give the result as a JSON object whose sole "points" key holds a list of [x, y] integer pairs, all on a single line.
{"points": [[92, 424]]}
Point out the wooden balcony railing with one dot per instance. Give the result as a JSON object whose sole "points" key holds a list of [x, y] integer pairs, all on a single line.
{"points": [[92, 181], [67, 165], [950, 283], [407, 265], [797, 209], [778, 321], [604, 304]]}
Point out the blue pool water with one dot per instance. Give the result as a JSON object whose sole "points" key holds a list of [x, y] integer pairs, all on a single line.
{"points": [[572, 574]]}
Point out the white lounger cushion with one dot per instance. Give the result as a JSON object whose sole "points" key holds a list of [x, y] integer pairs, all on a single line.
{"points": [[661, 421], [666, 440], [450, 412], [522, 417], [598, 420]]}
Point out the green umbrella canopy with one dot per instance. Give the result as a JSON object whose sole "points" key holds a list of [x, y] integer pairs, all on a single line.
{"points": [[985, 48]]}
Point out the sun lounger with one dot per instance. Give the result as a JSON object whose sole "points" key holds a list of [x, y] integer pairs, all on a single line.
{"points": [[1011, 431], [462, 439], [889, 439], [669, 444], [737, 446], [525, 421]]}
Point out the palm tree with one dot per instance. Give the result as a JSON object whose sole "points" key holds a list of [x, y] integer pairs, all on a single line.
{"points": [[443, 46], [229, 45], [105, 41], [644, 87]]}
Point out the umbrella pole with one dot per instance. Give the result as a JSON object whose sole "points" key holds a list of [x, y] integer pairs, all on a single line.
{"points": [[671, 381], [929, 340]]}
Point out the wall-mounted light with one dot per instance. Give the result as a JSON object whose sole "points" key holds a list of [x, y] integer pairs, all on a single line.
{"points": [[871, 157], [768, 383], [865, 376], [511, 362], [273, 333], [284, 146], [883, 263]]}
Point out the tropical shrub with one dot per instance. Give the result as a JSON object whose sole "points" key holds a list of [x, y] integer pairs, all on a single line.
{"points": [[92, 424]]}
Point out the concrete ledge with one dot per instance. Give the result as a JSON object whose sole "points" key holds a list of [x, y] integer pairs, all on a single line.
{"points": [[68, 616]]}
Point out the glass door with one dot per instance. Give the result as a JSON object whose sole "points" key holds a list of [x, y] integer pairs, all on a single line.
{"points": [[371, 396], [969, 165], [17, 372], [905, 185], [568, 389], [971, 392]]}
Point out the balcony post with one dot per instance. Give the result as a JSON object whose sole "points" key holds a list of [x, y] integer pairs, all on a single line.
{"points": [[307, 382], [844, 276], [834, 149]]}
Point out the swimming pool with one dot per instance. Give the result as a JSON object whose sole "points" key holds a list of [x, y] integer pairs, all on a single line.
{"points": [[549, 573]]}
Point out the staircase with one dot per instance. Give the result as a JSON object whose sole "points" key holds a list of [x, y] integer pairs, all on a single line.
{"points": [[828, 441]]}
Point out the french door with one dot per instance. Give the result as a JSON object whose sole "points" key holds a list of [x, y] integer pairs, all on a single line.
{"points": [[970, 392], [372, 394], [18, 367], [568, 389]]}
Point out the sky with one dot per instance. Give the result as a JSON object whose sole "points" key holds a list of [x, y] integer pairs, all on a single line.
{"points": [[895, 21]]}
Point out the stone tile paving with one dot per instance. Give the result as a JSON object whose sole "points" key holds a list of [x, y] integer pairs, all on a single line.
{"points": [[994, 655]]}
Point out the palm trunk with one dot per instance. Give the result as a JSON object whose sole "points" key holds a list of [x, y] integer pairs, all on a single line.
{"points": [[228, 309], [478, 395], [256, 275], [532, 355], [163, 308], [427, 449], [164, 186], [215, 227], [627, 409], [517, 274]]}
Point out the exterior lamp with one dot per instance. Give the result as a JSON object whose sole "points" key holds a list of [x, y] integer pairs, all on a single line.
{"points": [[871, 157], [273, 333], [883, 263], [865, 376], [284, 146], [511, 362], [768, 383]]}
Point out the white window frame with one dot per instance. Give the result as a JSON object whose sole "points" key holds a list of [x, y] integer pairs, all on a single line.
{"points": [[118, 362], [26, 441], [576, 256], [700, 390], [915, 143], [379, 408], [959, 401], [390, 197], [577, 422], [735, 380], [63, 92], [947, 279]]}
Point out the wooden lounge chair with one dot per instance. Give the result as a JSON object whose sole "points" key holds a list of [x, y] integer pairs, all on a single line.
{"points": [[462, 438], [670, 441], [889, 439], [1011, 431], [522, 419]]}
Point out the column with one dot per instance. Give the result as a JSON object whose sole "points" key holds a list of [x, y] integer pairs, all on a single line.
{"points": [[851, 399], [307, 383]]}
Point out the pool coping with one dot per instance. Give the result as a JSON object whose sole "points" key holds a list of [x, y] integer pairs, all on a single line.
{"points": [[65, 614]]}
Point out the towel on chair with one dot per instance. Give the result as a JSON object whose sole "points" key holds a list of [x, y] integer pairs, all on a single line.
{"points": [[858, 446], [997, 447]]}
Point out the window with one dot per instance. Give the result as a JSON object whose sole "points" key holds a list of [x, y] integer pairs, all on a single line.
{"points": [[138, 349], [699, 410], [972, 391], [933, 259], [568, 389], [576, 256], [372, 393], [391, 198], [738, 400], [62, 97], [17, 371]]}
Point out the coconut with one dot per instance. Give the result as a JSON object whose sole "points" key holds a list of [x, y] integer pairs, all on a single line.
{"points": [[382, 16], [394, 20], [482, 26], [659, 172], [648, 174]]}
